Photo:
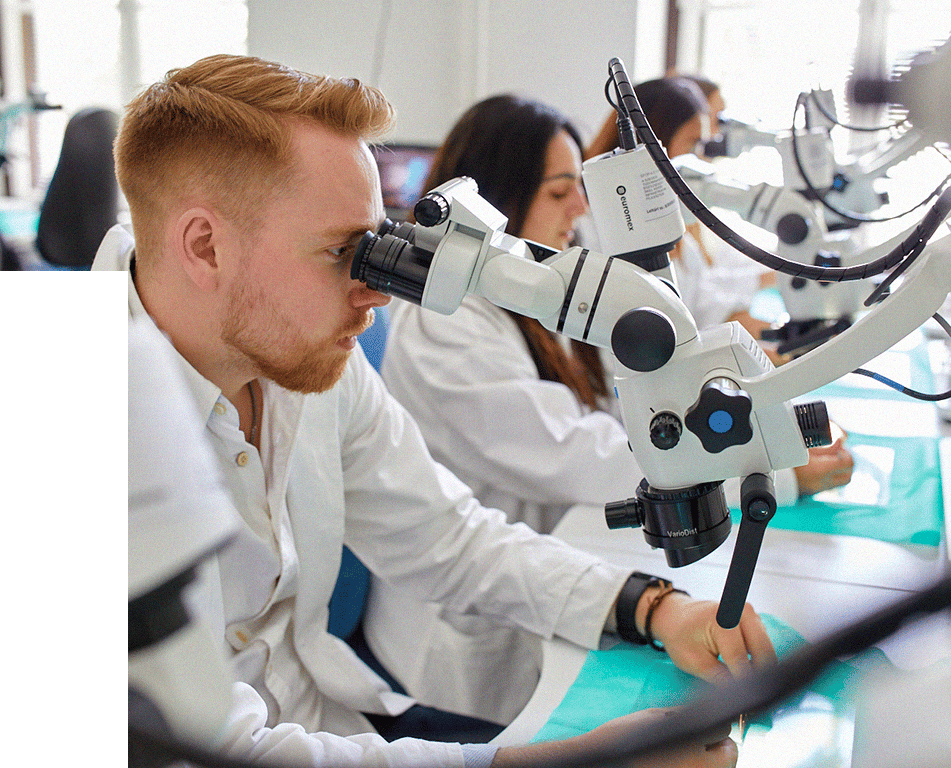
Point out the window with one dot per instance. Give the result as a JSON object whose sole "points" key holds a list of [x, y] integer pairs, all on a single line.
{"points": [[763, 53], [100, 52]]}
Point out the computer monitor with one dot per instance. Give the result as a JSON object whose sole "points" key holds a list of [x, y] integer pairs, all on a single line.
{"points": [[403, 170]]}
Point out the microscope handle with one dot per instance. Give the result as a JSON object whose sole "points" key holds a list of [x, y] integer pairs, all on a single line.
{"points": [[758, 502]]}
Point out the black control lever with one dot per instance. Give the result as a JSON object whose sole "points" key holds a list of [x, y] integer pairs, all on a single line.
{"points": [[758, 504]]}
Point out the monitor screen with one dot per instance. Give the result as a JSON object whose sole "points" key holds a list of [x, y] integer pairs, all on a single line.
{"points": [[403, 169]]}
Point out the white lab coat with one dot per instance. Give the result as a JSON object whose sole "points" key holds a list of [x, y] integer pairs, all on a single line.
{"points": [[714, 292], [743, 276], [524, 445], [349, 467]]}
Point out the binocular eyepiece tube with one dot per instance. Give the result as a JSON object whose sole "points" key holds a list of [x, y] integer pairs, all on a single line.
{"points": [[390, 262]]}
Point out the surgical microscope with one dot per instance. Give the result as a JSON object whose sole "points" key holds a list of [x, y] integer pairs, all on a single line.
{"points": [[822, 212], [698, 406]]}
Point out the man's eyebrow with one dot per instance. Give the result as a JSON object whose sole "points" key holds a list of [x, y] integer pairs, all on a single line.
{"points": [[346, 234]]}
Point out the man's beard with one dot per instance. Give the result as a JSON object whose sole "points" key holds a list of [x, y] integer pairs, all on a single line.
{"points": [[302, 366]]}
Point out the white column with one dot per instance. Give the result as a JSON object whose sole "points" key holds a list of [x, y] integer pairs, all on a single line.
{"points": [[130, 63]]}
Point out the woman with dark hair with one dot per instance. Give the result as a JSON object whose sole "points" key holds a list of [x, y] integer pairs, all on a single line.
{"points": [[676, 109], [504, 143], [511, 405]]}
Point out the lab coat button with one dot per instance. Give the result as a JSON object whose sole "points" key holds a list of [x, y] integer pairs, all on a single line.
{"points": [[219, 409], [242, 459]]}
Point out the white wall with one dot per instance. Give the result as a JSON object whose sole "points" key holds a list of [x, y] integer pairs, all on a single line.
{"points": [[433, 59]]}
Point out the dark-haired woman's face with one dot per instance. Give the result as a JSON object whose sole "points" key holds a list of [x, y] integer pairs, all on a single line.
{"points": [[560, 199], [687, 136]]}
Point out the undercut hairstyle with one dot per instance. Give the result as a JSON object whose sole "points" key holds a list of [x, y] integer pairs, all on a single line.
{"points": [[221, 128], [502, 144]]}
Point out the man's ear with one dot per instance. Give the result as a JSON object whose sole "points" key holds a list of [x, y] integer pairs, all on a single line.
{"points": [[198, 235]]}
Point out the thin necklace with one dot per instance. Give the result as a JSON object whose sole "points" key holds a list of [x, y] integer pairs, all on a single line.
{"points": [[254, 413]]}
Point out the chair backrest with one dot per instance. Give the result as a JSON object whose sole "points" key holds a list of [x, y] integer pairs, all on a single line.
{"points": [[373, 340], [353, 581], [82, 201]]}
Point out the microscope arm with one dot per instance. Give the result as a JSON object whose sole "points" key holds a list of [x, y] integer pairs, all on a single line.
{"points": [[921, 293], [781, 211], [876, 163]]}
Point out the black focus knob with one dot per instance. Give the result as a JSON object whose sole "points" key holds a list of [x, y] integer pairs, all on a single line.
{"points": [[624, 514], [431, 210], [813, 421], [665, 430], [721, 416], [792, 229], [643, 340]]}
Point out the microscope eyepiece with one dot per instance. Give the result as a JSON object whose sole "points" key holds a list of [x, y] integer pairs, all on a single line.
{"points": [[389, 262]]}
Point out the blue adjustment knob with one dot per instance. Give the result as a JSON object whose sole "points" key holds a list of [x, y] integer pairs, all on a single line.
{"points": [[721, 416], [720, 421]]}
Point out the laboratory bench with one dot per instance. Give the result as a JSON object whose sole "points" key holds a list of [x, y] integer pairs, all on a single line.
{"points": [[814, 581]]}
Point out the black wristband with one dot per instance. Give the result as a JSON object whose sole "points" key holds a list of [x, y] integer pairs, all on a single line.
{"points": [[626, 607]]}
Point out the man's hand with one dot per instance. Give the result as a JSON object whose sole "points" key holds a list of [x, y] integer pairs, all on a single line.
{"points": [[692, 638], [713, 750], [829, 467]]}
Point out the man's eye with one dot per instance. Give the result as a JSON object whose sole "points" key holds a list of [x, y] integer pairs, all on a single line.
{"points": [[342, 251]]}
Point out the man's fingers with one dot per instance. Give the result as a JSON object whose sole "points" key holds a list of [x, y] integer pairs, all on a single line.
{"points": [[736, 657], [757, 640], [709, 668], [745, 647]]}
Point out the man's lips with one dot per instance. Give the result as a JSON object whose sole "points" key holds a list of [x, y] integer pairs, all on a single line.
{"points": [[349, 339]]}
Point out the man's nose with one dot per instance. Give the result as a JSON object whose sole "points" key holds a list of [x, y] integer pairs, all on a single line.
{"points": [[363, 297]]}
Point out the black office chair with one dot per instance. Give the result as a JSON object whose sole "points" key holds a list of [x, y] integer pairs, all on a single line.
{"points": [[82, 201]]}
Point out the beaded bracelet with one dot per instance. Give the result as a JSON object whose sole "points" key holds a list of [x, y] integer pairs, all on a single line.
{"points": [[667, 589]]}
